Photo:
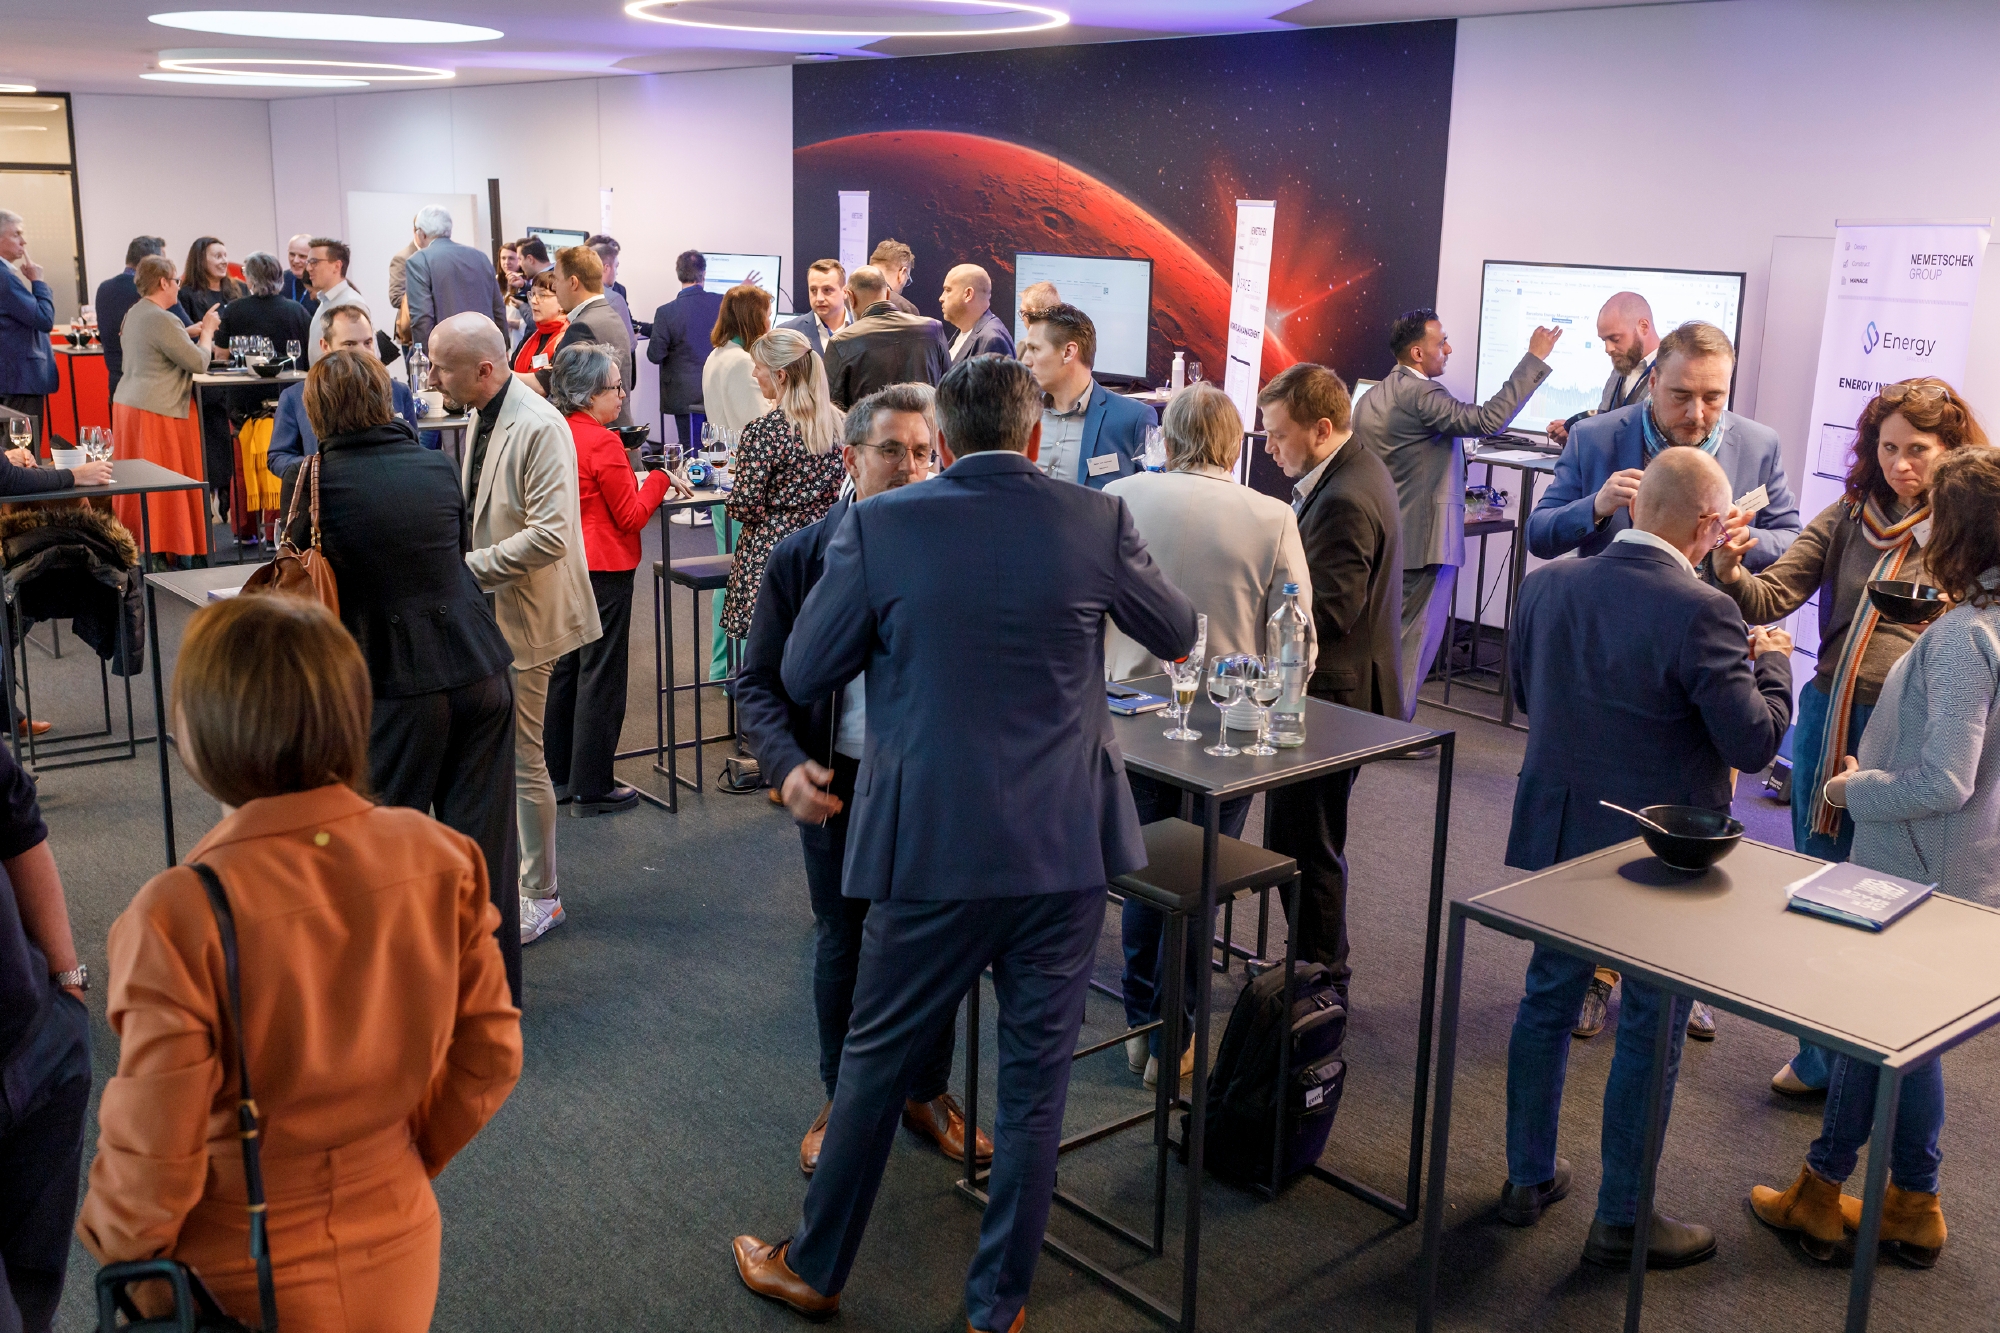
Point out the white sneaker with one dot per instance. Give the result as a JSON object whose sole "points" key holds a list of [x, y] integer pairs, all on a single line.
{"points": [[539, 916], [1152, 1079], [1135, 1053]]}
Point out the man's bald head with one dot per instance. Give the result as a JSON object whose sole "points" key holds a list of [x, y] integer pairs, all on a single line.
{"points": [[1682, 499], [968, 294], [1625, 325], [867, 285], [466, 339]]}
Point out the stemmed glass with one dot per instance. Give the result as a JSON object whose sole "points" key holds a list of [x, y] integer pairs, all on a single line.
{"points": [[20, 432], [1194, 372], [292, 350], [1186, 677], [1156, 449], [1225, 690], [1265, 683]]}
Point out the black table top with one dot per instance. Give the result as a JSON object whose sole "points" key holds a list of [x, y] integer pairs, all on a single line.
{"points": [[129, 476], [1336, 738], [1926, 982]]}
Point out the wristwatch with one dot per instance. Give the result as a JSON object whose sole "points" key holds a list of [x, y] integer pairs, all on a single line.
{"points": [[79, 977]]}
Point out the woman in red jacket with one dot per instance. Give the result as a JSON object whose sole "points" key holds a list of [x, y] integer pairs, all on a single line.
{"points": [[538, 345], [587, 692]]}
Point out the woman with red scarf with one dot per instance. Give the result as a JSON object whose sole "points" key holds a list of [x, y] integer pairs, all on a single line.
{"points": [[538, 345]]}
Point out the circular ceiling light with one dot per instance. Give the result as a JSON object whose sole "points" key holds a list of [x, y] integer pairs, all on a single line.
{"points": [[257, 80], [366, 71], [855, 18], [17, 87], [324, 27]]}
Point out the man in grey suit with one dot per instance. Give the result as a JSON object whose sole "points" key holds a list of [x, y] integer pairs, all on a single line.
{"points": [[1413, 424], [1625, 327], [579, 280], [444, 278]]}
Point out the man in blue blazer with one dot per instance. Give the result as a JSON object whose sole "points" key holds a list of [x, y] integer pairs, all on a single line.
{"points": [[292, 437], [990, 807], [680, 342], [1090, 435], [826, 295], [967, 303], [1588, 502], [27, 314], [116, 296], [1640, 681]]}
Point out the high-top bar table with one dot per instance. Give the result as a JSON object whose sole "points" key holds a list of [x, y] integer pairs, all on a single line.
{"points": [[1726, 938]]}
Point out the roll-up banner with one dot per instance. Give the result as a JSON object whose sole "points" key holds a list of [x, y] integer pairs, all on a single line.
{"points": [[1250, 286], [1898, 305], [853, 229]]}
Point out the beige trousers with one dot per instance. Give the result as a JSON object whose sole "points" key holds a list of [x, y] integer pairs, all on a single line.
{"points": [[534, 796]]}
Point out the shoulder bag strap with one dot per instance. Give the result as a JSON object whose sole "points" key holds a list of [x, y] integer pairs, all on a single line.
{"points": [[315, 500], [246, 1105], [292, 514]]}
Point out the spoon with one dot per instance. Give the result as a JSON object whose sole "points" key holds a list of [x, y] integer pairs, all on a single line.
{"points": [[1636, 815]]}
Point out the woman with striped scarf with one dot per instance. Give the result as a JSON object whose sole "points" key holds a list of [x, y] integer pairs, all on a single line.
{"points": [[1876, 530]]}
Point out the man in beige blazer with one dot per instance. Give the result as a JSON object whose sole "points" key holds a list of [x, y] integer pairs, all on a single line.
{"points": [[519, 476]]}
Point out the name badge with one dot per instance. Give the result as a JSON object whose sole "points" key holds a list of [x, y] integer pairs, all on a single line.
{"points": [[1752, 502], [540, 361], [1103, 463]]}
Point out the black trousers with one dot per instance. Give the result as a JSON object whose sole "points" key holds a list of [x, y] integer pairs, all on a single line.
{"points": [[1308, 822], [32, 405], [218, 445], [837, 931], [586, 710], [41, 1156], [451, 754]]}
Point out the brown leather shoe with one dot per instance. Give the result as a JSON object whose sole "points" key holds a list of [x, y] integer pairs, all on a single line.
{"points": [[1020, 1322], [28, 726], [1811, 1207], [764, 1270], [943, 1123], [1912, 1224], [809, 1149]]}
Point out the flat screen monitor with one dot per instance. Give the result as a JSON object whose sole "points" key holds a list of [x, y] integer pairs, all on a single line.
{"points": [[1117, 294], [730, 270], [558, 238], [1515, 297], [1363, 386]]}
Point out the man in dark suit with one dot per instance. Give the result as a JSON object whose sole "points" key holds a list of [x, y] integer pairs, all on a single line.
{"points": [[116, 295], [967, 302], [27, 313], [1640, 680], [444, 278], [884, 346], [888, 445], [1090, 435], [1351, 528], [990, 807], [679, 345], [1625, 328], [826, 294]]}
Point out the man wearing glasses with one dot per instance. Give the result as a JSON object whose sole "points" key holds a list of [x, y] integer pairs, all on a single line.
{"points": [[326, 269], [810, 753]]}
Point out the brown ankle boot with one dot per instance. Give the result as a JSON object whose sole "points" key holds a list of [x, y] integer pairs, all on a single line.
{"points": [[1811, 1207], [1912, 1224]]}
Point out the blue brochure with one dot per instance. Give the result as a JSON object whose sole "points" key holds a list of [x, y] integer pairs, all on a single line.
{"points": [[1856, 896]]}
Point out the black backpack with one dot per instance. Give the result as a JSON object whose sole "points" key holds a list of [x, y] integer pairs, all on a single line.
{"points": [[1242, 1115]]}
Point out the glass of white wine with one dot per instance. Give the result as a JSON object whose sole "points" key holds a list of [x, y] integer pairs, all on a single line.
{"points": [[1225, 689], [1265, 683]]}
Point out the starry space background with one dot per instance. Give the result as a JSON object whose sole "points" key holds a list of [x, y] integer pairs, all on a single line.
{"points": [[1346, 128]]}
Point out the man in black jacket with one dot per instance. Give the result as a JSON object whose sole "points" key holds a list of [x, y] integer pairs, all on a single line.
{"points": [[884, 346], [679, 345], [1350, 524], [888, 444]]}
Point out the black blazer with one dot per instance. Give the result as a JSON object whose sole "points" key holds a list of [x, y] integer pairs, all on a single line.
{"points": [[1352, 531], [782, 732], [394, 526], [1638, 678], [278, 318], [680, 347], [989, 337]]}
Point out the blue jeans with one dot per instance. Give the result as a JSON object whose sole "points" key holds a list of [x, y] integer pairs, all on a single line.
{"points": [[1812, 1065], [1538, 1059], [1142, 928], [1850, 1116]]}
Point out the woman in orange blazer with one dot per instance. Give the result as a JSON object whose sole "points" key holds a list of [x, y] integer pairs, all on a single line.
{"points": [[375, 1007]]}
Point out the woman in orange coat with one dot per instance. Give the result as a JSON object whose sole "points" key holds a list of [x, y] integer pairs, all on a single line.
{"points": [[375, 1011]]}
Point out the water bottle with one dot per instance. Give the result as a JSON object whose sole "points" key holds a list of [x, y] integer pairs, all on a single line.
{"points": [[1178, 380], [1285, 640]]}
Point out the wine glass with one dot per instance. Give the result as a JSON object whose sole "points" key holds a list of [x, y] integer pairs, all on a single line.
{"points": [[20, 432], [1194, 372], [1265, 683], [1185, 676], [1225, 689], [292, 350]]}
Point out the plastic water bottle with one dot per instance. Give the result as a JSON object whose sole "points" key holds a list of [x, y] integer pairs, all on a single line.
{"points": [[1285, 640], [1178, 379]]}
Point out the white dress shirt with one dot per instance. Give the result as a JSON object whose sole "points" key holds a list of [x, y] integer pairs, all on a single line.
{"points": [[849, 736], [1645, 538]]}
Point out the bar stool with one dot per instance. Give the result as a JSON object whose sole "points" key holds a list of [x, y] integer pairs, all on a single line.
{"points": [[1170, 883], [1479, 530], [698, 574]]}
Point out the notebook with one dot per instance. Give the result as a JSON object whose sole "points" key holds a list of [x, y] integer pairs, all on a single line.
{"points": [[1856, 896]]}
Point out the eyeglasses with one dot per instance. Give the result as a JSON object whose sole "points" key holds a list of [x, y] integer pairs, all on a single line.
{"points": [[1922, 391], [618, 388], [895, 454]]}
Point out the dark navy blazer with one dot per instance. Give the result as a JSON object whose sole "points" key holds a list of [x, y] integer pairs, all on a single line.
{"points": [[976, 603], [1113, 424], [989, 337], [679, 345], [1564, 519], [782, 732], [27, 313], [1638, 680]]}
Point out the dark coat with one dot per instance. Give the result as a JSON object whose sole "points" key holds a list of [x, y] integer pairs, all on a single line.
{"points": [[989, 337], [278, 318], [989, 769], [884, 347], [680, 347], [78, 564], [394, 526], [1638, 679], [1352, 531], [782, 732]]}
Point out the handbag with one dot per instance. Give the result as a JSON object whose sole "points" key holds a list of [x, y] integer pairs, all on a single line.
{"points": [[195, 1309], [294, 572]]}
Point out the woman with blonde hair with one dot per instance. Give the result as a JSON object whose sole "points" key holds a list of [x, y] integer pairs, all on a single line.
{"points": [[151, 413], [373, 1009], [787, 471]]}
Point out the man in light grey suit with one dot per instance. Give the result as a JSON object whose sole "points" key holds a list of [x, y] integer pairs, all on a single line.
{"points": [[1413, 423], [1625, 327], [444, 278]]}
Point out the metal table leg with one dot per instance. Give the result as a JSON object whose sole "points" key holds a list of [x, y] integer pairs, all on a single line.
{"points": [[1656, 1133], [1447, 1063], [1861, 1287], [160, 737]]}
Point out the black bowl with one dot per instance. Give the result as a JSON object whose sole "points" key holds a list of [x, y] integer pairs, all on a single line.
{"points": [[1907, 603], [1696, 838], [633, 437], [269, 370]]}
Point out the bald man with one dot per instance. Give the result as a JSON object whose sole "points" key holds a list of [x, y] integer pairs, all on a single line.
{"points": [[1645, 688], [1625, 327], [967, 301]]}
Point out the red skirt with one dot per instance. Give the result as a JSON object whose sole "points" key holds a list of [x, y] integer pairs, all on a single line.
{"points": [[178, 518]]}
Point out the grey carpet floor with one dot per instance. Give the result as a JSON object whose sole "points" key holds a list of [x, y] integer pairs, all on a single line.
{"points": [[671, 1069]]}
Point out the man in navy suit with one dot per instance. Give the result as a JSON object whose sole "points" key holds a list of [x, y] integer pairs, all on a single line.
{"points": [[967, 303], [679, 345], [27, 314], [292, 438], [990, 808], [1090, 435], [1640, 680], [1589, 501], [826, 294], [116, 296]]}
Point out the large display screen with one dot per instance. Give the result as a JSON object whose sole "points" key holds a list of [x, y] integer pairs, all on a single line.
{"points": [[1117, 294], [558, 238], [1516, 297], [729, 270]]}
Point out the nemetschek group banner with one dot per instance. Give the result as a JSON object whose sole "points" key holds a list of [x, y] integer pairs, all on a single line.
{"points": [[1899, 305]]}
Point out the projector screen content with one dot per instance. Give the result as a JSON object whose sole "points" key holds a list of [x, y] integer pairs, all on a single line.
{"points": [[727, 270], [1117, 294], [558, 238], [1515, 297]]}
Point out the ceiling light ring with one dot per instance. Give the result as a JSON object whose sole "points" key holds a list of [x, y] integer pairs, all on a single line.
{"points": [[17, 87], [365, 70], [308, 27], [298, 81], [1049, 18]]}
